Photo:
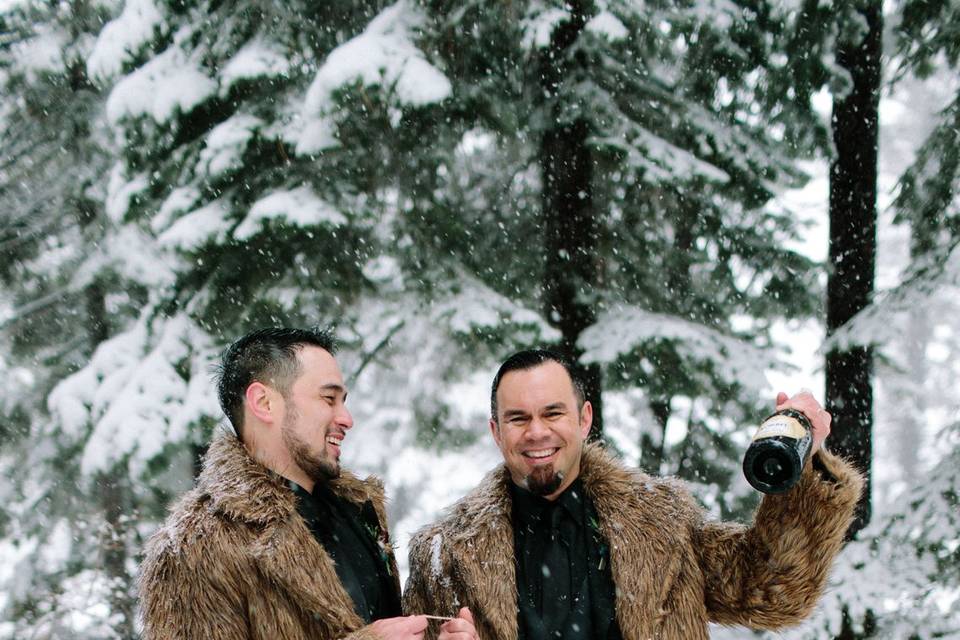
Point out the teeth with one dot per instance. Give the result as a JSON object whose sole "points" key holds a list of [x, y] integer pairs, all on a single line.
{"points": [[542, 453], [333, 440]]}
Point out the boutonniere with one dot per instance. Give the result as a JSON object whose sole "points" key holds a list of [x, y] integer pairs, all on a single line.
{"points": [[598, 540], [383, 544]]}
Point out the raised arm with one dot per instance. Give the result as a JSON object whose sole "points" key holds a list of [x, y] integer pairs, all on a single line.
{"points": [[770, 575]]}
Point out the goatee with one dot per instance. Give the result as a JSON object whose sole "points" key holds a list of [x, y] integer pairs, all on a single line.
{"points": [[544, 481]]}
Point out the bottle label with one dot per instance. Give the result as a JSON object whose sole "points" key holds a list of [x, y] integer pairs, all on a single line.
{"points": [[781, 425]]}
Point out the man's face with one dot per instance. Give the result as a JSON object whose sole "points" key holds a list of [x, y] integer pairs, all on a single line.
{"points": [[541, 431], [315, 419]]}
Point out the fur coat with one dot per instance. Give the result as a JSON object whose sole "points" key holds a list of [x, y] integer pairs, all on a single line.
{"points": [[674, 571], [236, 561]]}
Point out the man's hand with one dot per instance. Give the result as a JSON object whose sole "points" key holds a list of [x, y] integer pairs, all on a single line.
{"points": [[460, 628], [805, 403], [403, 628]]}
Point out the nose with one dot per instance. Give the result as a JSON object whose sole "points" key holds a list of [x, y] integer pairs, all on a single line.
{"points": [[536, 429], [343, 418]]}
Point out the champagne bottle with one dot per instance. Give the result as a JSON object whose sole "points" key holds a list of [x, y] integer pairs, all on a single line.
{"points": [[779, 451]]}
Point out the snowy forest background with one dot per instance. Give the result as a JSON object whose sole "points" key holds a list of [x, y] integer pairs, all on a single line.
{"points": [[643, 184]]}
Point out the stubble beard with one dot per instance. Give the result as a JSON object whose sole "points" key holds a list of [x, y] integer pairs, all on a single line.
{"points": [[318, 467]]}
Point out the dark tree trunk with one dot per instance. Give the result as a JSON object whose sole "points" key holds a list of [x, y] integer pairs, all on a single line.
{"points": [[571, 271], [853, 218]]}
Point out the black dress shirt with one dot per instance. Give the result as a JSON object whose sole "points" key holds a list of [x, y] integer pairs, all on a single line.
{"points": [[565, 588], [350, 533]]}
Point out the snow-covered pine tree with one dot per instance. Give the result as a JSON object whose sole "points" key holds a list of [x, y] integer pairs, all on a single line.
{"points": [[67, 292], [900, 578], [251, 186], [689, 131], [379, 167]]}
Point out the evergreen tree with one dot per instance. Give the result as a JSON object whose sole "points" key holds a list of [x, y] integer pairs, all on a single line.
{"points": [[651, 140], [398, 171]]}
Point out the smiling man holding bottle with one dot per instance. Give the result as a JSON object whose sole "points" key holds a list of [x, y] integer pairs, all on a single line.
{"points": [[563, 541]]}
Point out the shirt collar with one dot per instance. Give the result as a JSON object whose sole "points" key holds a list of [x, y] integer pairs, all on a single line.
{"points": [[532, 508]]}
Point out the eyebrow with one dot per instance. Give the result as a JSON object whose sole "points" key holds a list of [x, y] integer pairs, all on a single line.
{"points": [[333, 386], [514, 413], [555, 406]]}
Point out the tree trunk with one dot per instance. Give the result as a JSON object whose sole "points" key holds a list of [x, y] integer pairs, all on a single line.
{"points": [[571, 270], [853, 218]]}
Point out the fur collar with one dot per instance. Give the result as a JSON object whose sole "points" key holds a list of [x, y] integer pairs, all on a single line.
{"points": [[243, 489], [289, 557], [634, 512]]}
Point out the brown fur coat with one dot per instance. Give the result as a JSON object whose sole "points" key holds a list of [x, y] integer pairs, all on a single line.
{"points": [[674, 571], [235, 560]]}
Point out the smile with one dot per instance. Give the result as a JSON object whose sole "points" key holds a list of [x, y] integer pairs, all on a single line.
{"points": [[335, 441], [540, 454]]}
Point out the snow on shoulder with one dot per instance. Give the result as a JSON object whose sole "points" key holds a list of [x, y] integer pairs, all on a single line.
{"points": [[301, 207]]}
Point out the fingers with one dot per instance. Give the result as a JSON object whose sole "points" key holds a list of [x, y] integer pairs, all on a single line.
{"points": [[418, 624], [460, 628], [400, 627], [804, 402]]}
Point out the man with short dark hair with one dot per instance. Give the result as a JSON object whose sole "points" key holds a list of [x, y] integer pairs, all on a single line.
{"points": [[276, 541], [563, 541]]}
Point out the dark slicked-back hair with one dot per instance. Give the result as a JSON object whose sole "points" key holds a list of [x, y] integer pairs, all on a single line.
{"points": [[528, 359], [268, 356]]}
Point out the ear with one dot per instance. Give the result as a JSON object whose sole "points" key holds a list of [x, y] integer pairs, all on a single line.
{"points": [[259, 400], [495, 431], [586, 419]]}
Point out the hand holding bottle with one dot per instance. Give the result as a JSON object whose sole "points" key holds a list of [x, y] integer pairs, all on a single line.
{"points": [[785, 441], [805, 403]]}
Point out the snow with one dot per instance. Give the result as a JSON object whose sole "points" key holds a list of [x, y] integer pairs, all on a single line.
{"points": [[124, 37], [180, 200], [625, 328], [56, 550], [607, 25], [141, 400], [538, 26], [144, 390], [41, 53], [208, 223], [301, 207], [657, 158], [226, 143], [170, 83], [129, 253], [313, 135], [385, 271], [385, 53], [476, 306], [258, 58], [121, 191], [436, 565]]}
